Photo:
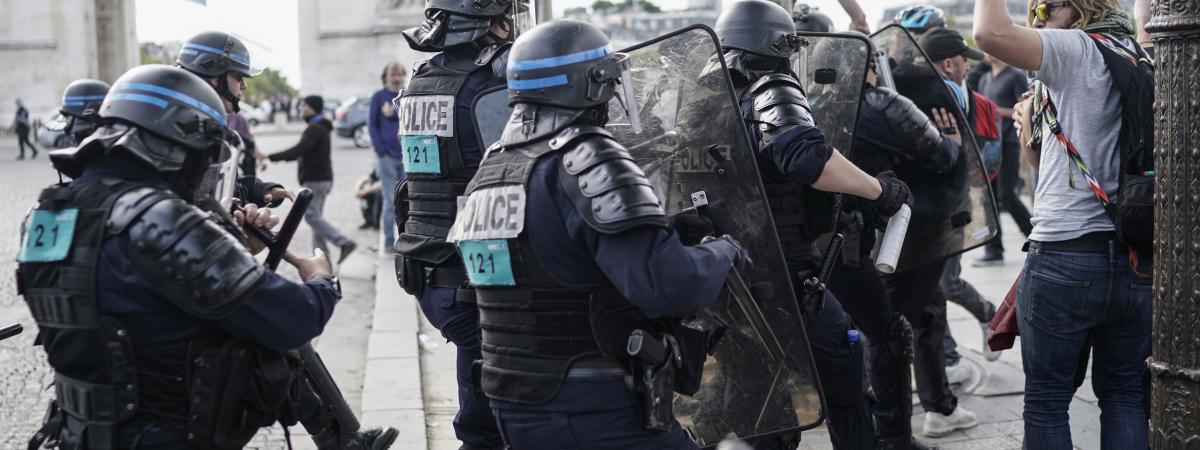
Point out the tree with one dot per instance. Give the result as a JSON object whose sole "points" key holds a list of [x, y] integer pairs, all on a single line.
{"points": [[268, 84], [602, 5]]}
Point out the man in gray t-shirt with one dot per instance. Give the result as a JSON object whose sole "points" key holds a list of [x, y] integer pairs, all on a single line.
{"points": [[1080, 86], [1079, 294]]}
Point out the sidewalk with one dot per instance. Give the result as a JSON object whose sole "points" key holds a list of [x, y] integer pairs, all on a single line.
{"points": [[405, 350]]}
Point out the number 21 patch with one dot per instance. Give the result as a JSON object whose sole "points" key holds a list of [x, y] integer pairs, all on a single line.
{"points": [[48, 235], [488, 262]]}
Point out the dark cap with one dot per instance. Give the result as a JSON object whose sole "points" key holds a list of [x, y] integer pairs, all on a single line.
{"points": [[942, 43], [315, 102]]}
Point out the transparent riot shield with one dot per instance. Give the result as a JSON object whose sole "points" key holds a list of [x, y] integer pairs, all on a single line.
{"points": [[954, 211], [832, 67], [490, 111], [758, 378]]}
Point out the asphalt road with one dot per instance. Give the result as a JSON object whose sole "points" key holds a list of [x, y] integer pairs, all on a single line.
{"points": [[24, 375]]}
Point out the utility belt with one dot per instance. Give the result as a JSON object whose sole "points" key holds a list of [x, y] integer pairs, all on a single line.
{"points": [[414, 276], [663, 364]]}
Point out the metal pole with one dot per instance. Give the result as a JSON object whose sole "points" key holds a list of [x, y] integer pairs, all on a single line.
{"points": [[1175, 362]]}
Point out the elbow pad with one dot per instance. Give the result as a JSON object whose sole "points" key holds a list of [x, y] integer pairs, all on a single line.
{"points": [[919, 136], [609, 190], [779, 104], [203, 269]]}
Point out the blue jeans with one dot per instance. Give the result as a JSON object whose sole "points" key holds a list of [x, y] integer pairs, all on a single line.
{"points": [[1066, 301], [390, 171]]}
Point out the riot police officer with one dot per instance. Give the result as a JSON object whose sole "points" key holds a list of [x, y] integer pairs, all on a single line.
{"points": [[441, 151], [568, 248], [810, 19], [799, 168], [891, 133], [81, 107], [148, 307]]}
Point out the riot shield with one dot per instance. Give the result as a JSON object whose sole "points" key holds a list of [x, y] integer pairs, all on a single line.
{"points": [[955, 211], [758, 378], [490, 112], [832, 67]]}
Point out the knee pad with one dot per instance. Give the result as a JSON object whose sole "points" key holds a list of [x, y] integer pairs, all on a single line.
{"points": [[900, 342]]}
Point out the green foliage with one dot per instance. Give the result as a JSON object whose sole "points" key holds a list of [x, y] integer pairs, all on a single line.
{"points": [[606, 5], [268, 84], [146, 58], [602, 5]]}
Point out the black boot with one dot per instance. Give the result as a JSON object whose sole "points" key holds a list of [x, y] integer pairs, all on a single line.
{"points": [[368, 439]]}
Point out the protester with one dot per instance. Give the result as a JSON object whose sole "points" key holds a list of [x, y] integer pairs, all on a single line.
{"points": [[316, 173], [383, 125], [22, 126], [1004, 85], [370, 199], [248, 166], [1079, 286]]}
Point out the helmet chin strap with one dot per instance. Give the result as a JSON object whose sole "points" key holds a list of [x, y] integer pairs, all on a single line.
{"points": [[225, 93]]}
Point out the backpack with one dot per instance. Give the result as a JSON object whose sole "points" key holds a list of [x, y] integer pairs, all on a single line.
{"points": [[1133, 77]]}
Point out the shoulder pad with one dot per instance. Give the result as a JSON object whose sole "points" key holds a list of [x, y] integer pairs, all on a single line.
{"points": [[779, 103], [500, 64], [202, 268], [906, 121], [607, 187]]}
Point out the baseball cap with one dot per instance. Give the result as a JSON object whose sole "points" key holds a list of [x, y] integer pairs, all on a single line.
{"points": [[942, 43]]}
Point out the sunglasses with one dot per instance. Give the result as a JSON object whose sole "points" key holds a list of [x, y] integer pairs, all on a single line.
{"points": [[1043, 11]]}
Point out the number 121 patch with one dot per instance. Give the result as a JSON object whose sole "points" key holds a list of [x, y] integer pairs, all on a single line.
{"points": [[48, 235], [488, 262]]}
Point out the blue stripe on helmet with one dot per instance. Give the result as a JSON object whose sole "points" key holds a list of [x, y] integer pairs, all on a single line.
{"points": [[244, 59], [916, 22], [140, 98], [556, 61], [74, 103], [82, 98], [186, 99], [538, 83]]}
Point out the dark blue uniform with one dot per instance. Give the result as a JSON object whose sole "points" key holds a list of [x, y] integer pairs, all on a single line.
{"points": [[279, 315], [650, 268]]}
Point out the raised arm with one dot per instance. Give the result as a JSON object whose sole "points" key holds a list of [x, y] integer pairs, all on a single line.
{"points": [[997, 35]]}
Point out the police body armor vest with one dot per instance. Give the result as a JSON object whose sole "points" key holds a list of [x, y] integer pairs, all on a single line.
{"points": [[433, 162], [774, 104], [102, 375], [535, 328]]}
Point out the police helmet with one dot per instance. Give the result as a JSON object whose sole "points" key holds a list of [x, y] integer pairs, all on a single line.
{"points": [[212, 53], [920, 18], [82, 98], [564, 63], [171, 104], [809, 19], [450, 23], [758, 26]]}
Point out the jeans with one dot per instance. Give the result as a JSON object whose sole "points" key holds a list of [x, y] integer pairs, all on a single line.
{"points": [[963, 293], [586, 414], [1066, 301], [390, 171], [322, 230], [474, 424]]}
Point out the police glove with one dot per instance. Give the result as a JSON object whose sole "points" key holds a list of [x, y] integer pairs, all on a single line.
{"points": [[741, 259], [895, 194], [719, 217], [691, 227]]}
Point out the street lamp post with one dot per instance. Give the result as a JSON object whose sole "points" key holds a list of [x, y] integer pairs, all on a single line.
{"points": [[1175, 364]]}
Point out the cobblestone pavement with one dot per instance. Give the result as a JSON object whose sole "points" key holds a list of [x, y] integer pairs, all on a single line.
{"points": [[24, 375]]}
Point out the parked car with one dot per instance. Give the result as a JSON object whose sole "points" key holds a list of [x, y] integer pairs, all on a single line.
{"points": [[254, 115], [49, 132], [350, 120]]}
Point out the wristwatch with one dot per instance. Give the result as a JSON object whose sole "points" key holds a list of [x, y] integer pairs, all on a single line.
{"points": [[333, 282]]}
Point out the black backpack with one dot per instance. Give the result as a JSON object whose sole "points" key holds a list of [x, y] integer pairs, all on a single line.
{"points": [[1133, 76]]}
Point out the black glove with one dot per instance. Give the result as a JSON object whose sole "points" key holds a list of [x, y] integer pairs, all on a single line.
{"points": [[691, 227], [741, 259], [719, 217], [895, 194]]}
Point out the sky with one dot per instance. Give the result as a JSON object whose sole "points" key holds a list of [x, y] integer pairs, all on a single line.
{"points": [[270, 28]]}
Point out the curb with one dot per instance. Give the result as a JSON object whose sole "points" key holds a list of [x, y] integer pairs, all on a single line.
{"points": [[392, 383]]}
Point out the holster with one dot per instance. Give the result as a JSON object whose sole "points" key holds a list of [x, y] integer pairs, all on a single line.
{"points": [[411, 274], [656, 361], [237, 388]]}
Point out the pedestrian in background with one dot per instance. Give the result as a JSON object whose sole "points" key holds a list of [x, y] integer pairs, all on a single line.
{"points": [[1080, 286], [22, 126], [1004, 85], [384, 126], [316, 173]]}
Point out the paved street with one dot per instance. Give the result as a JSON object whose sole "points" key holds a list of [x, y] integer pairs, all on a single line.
{"points": [[398, 371], [24, 374]]}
